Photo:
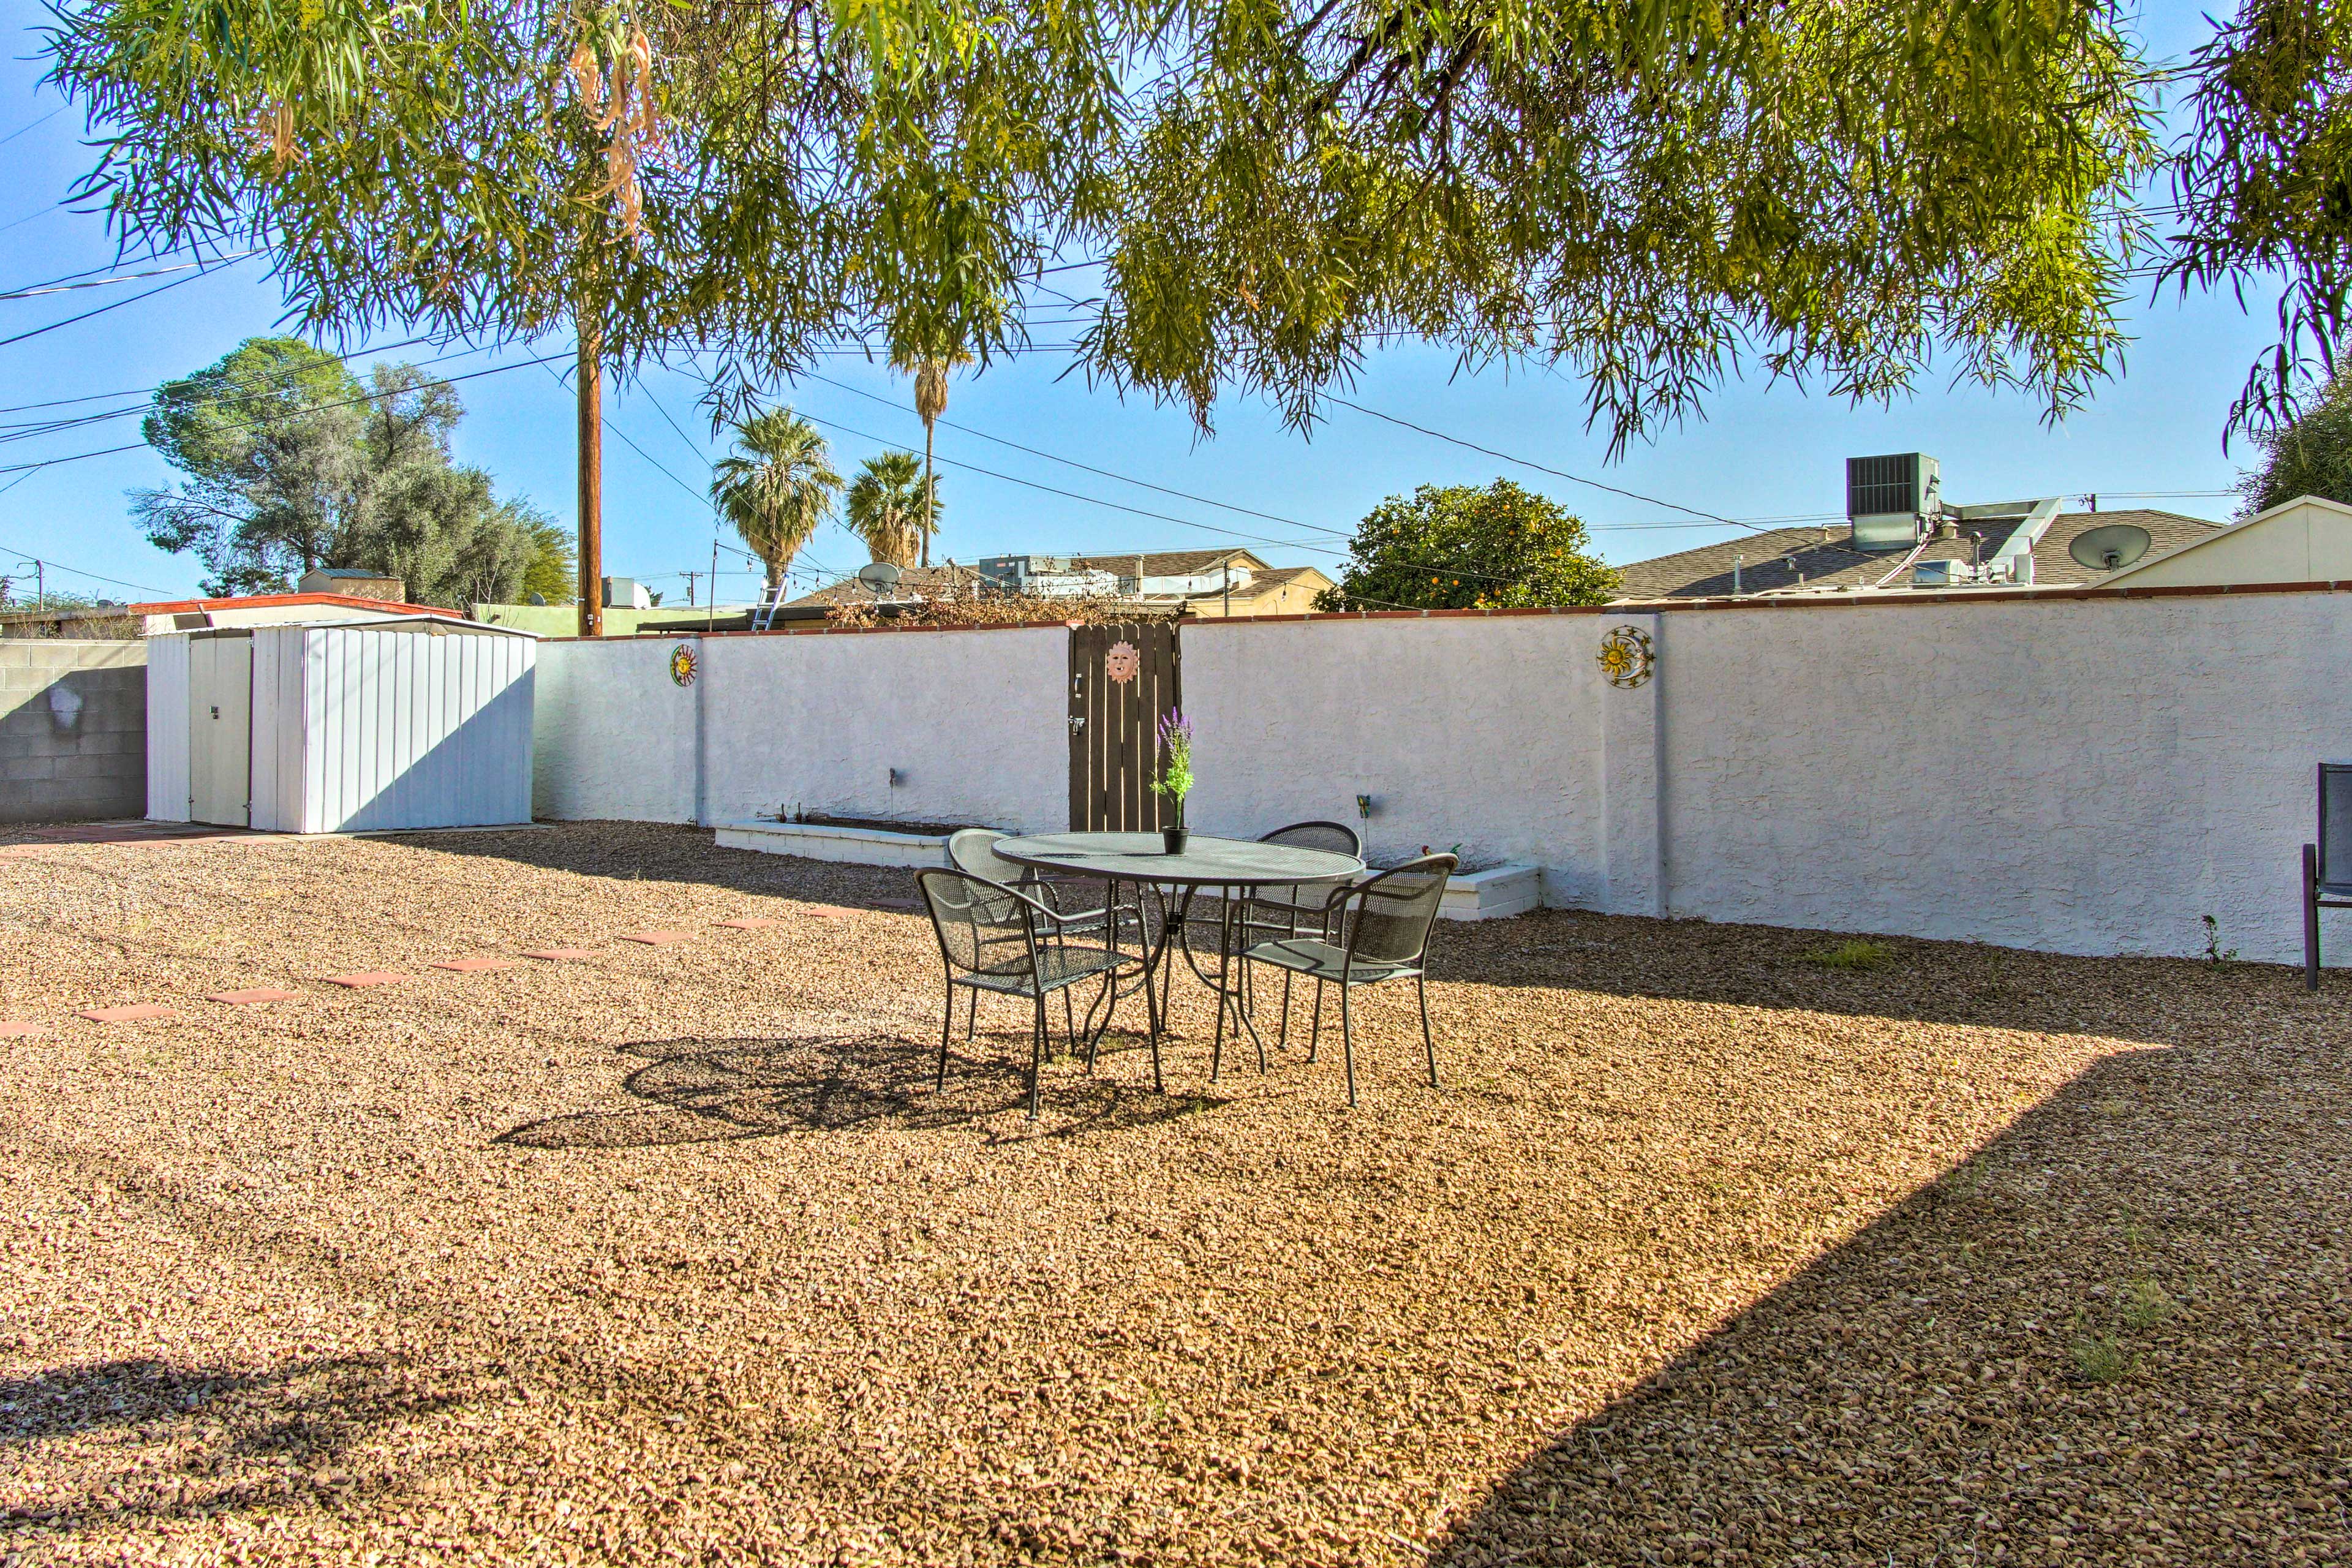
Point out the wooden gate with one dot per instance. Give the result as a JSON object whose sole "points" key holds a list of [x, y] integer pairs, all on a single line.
{"points": [[1123, 679]]}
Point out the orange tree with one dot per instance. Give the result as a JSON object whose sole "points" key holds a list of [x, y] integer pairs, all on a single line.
{"points": [[1457, 547]]}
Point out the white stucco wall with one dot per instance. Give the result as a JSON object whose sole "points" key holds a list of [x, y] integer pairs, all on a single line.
{"points": [[975, 723], [2083, 775], [972, 721], [1474, 731], [612, 735]]}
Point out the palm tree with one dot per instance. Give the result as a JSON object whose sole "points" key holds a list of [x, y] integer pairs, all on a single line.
{"points": [[885, 507], [777, 487], [929, 356]]}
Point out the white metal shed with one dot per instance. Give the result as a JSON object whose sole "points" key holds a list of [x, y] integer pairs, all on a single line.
{"points": [[417, 722]]}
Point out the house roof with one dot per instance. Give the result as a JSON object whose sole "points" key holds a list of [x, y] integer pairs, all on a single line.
{"points": [[1168, 562], [284, 601], [1822, 557], [2299, 504]]}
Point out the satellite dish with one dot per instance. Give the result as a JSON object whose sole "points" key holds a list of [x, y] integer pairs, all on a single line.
{"points": [[879, 577], [2110, 546]]}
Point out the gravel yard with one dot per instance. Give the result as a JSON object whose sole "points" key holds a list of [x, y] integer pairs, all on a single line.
{"points": [[1708, 1253]]}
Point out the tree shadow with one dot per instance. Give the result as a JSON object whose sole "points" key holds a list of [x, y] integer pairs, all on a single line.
{"points": [[2116, 1330], [654, 851], [696, 1091], [182, 1441]]}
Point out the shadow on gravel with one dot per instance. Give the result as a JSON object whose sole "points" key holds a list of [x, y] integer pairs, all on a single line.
{"points": [[664, 852], [187, 1441], [705, 1091], [2120, 1333], [2155, 1001]]}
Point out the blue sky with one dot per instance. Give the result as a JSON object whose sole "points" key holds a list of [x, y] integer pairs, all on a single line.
{"points": [[1758, 452]]}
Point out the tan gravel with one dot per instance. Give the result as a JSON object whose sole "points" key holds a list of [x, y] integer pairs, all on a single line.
{"points": [[669, 1253]]}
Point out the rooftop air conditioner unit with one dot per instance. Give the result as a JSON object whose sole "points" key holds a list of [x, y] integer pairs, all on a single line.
{"points": [[1892, 501]]}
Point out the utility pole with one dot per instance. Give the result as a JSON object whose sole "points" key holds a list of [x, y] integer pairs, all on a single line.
{"points": [[689, 574], [591, 483]]}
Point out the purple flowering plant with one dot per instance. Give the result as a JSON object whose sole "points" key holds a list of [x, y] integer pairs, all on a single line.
{"points": [[1175, 780]]}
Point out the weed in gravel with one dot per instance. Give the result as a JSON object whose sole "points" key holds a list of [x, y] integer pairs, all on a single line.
{"points": [[2215, 952], [1960, 1183], [2101, 1358], [1854, 952], [2145, 1304]]}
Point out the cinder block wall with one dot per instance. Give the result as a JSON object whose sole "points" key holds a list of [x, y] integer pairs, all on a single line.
{"points": [[73, 729]]}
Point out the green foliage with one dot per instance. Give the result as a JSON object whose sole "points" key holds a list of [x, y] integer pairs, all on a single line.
{"points": [[1854, 952], [1646, 196], [1462, 547], [554, 571], [2261, 194], [293, 463], [2145, 1304], [2101, 1358], [777, 487], [885, 508], [1175, 777], [2311, 455]]}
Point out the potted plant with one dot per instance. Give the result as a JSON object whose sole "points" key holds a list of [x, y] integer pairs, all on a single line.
{"points": [[1175, 780]]}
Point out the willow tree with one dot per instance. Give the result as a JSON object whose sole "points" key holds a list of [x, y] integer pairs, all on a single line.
{"points": [[1647, 193]]}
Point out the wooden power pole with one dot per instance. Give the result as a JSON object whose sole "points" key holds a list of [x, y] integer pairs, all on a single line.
{"points": [[591, 484]]}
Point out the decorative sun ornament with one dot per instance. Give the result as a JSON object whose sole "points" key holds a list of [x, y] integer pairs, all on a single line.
{"points": [[682, 667], [1122, 663], [1626, 657]]}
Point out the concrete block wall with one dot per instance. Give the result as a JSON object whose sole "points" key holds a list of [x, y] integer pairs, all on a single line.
{"points": [[73, 729]]}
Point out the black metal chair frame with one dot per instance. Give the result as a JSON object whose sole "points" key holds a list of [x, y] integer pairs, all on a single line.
{"points": [[2319, 891], [1283, 914], [1031, 980], [1066, 923], [1344, 911]]}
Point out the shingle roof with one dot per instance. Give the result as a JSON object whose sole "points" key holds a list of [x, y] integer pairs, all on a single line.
{"points": [[1822, 557], [1168, 562]]}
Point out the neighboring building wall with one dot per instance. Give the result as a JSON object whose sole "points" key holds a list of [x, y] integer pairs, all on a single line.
{"points": [[973, 721], [73, 725], [2303, 541]]}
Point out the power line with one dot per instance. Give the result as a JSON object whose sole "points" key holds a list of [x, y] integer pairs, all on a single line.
{"points": [[35, 125], [93, 576], [63, 285], [101, 311]]}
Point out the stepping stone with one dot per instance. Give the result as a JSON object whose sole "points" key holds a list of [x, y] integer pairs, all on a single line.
{"points": [[366, 978], [654, 938], [749, 922], [475, 965], [10, 1030], [248, 998], [831, 912], [138, 1013], [898, 904], [559, 954]]}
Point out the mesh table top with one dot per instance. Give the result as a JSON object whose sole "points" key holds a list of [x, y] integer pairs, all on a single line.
{"points": [[1206, 862]]}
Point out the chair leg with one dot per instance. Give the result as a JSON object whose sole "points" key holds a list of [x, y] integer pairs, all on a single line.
{"points": [[1069, 1022], [947, 1026], [1315, 1035], [2311, 917], [1037, 1031], [971, 1019], [1428, 1043], [1347, 1045], [1283, 1038]]}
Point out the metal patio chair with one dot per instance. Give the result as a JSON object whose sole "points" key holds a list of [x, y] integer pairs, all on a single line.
{"points": [[1276, 910], [2328, 865], [995, 938], [1374, 930], [972, 850]]}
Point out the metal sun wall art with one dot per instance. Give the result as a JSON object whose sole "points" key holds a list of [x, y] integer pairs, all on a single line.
{"points": [[682, 664], [1626, 657], [1122, 663]]}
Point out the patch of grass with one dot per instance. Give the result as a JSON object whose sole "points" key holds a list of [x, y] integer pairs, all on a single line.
{"points": [[1854, 952], [2145, 1304], [2100, 1358]]}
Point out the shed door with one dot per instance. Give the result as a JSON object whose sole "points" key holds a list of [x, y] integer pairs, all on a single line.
{"points": [[1123, 679], [220, 730]]}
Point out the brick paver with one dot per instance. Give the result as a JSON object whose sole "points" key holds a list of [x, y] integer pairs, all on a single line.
{"points": [[475, 965], [137, 1013], [654, 938], [248, 998], [366, 978], [559, 954]]}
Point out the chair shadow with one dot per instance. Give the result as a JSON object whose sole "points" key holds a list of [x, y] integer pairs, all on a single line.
{"points": [[721, 1091], [1935, 1390]]}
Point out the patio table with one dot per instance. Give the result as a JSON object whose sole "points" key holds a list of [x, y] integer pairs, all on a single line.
{"points": [[1230, 865]]}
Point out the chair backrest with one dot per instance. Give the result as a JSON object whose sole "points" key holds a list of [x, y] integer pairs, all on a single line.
{"points": [[2335, 822], [984, 926], [1336, 837], [973, 850], [1388, 918]]}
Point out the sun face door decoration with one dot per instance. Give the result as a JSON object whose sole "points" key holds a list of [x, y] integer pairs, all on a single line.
{"points": [[682, 669], [1627, 658], [1122, 663]]}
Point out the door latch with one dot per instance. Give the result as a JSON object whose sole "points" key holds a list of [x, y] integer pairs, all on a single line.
{"points": [[1077, 722]]}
